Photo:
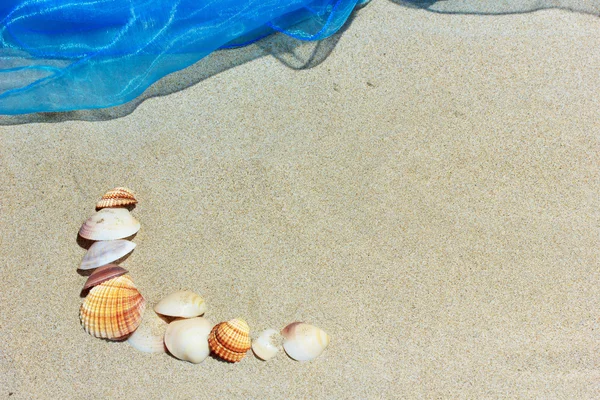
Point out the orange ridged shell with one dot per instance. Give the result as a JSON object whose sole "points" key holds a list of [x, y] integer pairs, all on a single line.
{"points": [[230, 340], [113, 309], [117, 197]]}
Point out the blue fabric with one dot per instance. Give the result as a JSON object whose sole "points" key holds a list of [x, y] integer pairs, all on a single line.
{"points": [[59, 55]]}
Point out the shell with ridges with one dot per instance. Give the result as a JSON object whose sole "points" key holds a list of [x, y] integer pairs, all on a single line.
{"points": [[113, 309], [304, 342], [187, 339], [105, 252], [117, 197], [149, 336], [230, 340], [185, 304], [109, 224], [265, 346]]}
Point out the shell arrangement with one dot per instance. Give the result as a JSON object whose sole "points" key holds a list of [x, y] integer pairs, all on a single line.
{"points": [[114, 308]]}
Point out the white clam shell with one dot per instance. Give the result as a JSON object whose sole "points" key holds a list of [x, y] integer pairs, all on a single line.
{"points": [[187, 339], [266, 346], [109, 224], [149, 336], [105, 252], [304, 342], [184, 304]]}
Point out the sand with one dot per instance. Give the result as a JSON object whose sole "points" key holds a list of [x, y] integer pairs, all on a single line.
{"points": [[426, 192]]}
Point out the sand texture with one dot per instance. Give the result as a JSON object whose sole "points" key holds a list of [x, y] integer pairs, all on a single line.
{"points": [[427, 192]]}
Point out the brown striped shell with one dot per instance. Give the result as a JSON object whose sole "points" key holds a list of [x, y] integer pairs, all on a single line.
{"points": [[103, 274], [230, 340], [117, 197], [113, 309]]}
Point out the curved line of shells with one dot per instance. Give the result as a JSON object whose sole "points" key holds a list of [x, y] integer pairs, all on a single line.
{"points": [[113, 307]]}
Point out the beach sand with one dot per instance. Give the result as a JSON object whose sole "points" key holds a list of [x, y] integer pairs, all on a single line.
{"points": [[426, 192]]}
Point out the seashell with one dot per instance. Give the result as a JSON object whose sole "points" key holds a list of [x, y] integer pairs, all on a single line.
{"points": [[113, 309], [230, 340], [117, 197], [187, 339], [103, 274], [183, 304], [104, 252], [109, 224], [149, 336], [304, 342], [266, 346]]}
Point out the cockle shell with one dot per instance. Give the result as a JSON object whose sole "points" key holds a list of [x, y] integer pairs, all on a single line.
{"points": [[304, 342], [187, 339], [103, 274], [117, 197], [183, 304], [104, 252], [149, 336], [266, 346], [230, 340], [113, 309], [109, 224]]}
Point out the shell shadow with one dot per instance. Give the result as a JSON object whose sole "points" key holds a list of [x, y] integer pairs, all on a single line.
{"points": [[130, 207], [84, 292], [84, 243], [87, 243]]}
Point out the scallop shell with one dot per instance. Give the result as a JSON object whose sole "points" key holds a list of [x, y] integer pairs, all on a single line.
{"points": [[187, 339], [113, 309], [109, 224], [230, 340], [266, 346], [104, 252], [103, 274], [117, 197], [304, 342], [183, 304], [149, 336]]}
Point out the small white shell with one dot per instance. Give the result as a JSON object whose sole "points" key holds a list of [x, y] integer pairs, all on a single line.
{"points": [[266, 346], [304, 342], [184, 304], [105, 252], [109, 224], [149, 336], [187, 339]]}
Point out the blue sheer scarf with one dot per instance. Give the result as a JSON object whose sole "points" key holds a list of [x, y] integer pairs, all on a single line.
{"points": [[60, 55]]}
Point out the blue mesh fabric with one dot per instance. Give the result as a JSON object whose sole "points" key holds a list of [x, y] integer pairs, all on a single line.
{"points": [[59, 55]]}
